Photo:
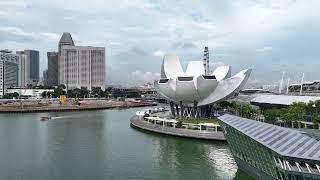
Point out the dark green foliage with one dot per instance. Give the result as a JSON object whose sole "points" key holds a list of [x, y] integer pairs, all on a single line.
{"points": [[97, 92], [272, 115], [291, 115], [245, 110], [200, 120], [11, 95], [179, 124]]}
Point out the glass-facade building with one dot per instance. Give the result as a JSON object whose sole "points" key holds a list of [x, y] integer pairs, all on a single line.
{"points": [[53, 68], [33, 64], [267, 151]]}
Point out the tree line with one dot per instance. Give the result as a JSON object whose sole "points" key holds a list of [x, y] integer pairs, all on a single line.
{"points": [[291, 115], [96, 92]]}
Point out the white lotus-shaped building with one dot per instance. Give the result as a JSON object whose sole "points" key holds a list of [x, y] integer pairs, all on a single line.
{"points": [[194, 87]]}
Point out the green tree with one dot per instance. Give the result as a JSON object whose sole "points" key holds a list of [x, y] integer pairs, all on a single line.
{"points": [[317, 106], [244, 110], [15, 95], [44, 94], [74, 93], [62, 86], [271, 115], [295, 112], [97, 92], [10, 95], [60, 90], [84, 92], [310, 108]]}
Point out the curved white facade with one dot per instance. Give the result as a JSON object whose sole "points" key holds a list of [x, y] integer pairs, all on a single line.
{"points": [[193, 86], [222, 72], [171, 67]]}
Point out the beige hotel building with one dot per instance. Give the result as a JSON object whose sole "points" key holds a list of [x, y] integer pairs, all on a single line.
{"points": [[80, 66]]}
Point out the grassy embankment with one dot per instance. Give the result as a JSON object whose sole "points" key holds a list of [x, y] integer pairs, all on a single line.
{"points": [[199, 120]]}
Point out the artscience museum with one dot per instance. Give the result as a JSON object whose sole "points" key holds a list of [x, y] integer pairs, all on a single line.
{"points": [[193, 92]]}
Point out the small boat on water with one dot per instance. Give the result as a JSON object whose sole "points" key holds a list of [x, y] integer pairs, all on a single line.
{"points": [[45, 118]]}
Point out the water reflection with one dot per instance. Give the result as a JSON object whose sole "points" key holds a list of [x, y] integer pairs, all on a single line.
{"points": [[102, 145], [182, 158]]}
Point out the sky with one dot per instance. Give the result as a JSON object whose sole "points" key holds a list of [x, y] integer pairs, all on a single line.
{"points": [[269, 36]]}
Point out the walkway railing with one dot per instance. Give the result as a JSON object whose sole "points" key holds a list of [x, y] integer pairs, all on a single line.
{"points": [[209, 135]]}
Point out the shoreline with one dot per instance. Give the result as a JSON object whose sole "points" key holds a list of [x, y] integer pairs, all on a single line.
{"points": [[63, 108], [179, 132]]}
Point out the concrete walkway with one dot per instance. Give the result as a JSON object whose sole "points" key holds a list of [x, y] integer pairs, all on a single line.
{"points": [[138, 122]]}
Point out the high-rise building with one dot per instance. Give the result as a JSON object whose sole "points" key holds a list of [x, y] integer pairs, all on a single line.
{"points": [[80, 66], [8, 76], [53, 68], [19, 59], [12, 70], [45, 77], [33, 64]]}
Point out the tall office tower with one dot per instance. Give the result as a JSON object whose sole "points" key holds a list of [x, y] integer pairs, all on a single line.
{"points": [[53, 68], [24, 69], [45, 77], [80, 66], [206, 60], [33, 64], [12, 70]]}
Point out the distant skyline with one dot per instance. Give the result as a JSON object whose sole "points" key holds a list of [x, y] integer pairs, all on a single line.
{"points": [[269, 36]]}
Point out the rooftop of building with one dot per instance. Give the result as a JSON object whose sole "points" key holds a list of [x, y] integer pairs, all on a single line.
{"points": [[284, 141], [53, 53], [282, 99], [255, 90], [82, 47], [306, 83], [66, 38], [5, 51]]}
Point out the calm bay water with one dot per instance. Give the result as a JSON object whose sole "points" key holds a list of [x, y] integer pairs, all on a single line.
{"points": [[98, 145]]}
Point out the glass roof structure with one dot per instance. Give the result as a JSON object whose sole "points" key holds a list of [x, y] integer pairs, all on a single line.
{"points": [[284, 141]]}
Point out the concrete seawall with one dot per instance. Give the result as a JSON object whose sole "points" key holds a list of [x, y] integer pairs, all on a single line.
{"points": [[27, 109], [142, 124]]}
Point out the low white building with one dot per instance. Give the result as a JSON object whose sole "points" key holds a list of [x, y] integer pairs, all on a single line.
{"points": [[35, 93]]}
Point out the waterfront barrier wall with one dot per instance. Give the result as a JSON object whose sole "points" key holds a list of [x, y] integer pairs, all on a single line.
{"points": [[139, 122]]}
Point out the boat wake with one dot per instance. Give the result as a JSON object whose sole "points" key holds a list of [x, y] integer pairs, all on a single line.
{"points": [[63, 117]]}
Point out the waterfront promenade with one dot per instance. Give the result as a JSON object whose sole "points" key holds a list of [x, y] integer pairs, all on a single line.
{"points": [[28, 106], [138, 122]]}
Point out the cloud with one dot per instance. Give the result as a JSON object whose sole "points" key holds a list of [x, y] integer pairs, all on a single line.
{"points": [[68, 18], [114, 43], [221, 55], [16, 31], [180, 27], [158, 53], [144, 77], [214, 65], [50, 37], [18, 35], [264, 49]]}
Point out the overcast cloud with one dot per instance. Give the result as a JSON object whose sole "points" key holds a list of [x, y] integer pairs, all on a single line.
{"points": [[269, 36]]}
